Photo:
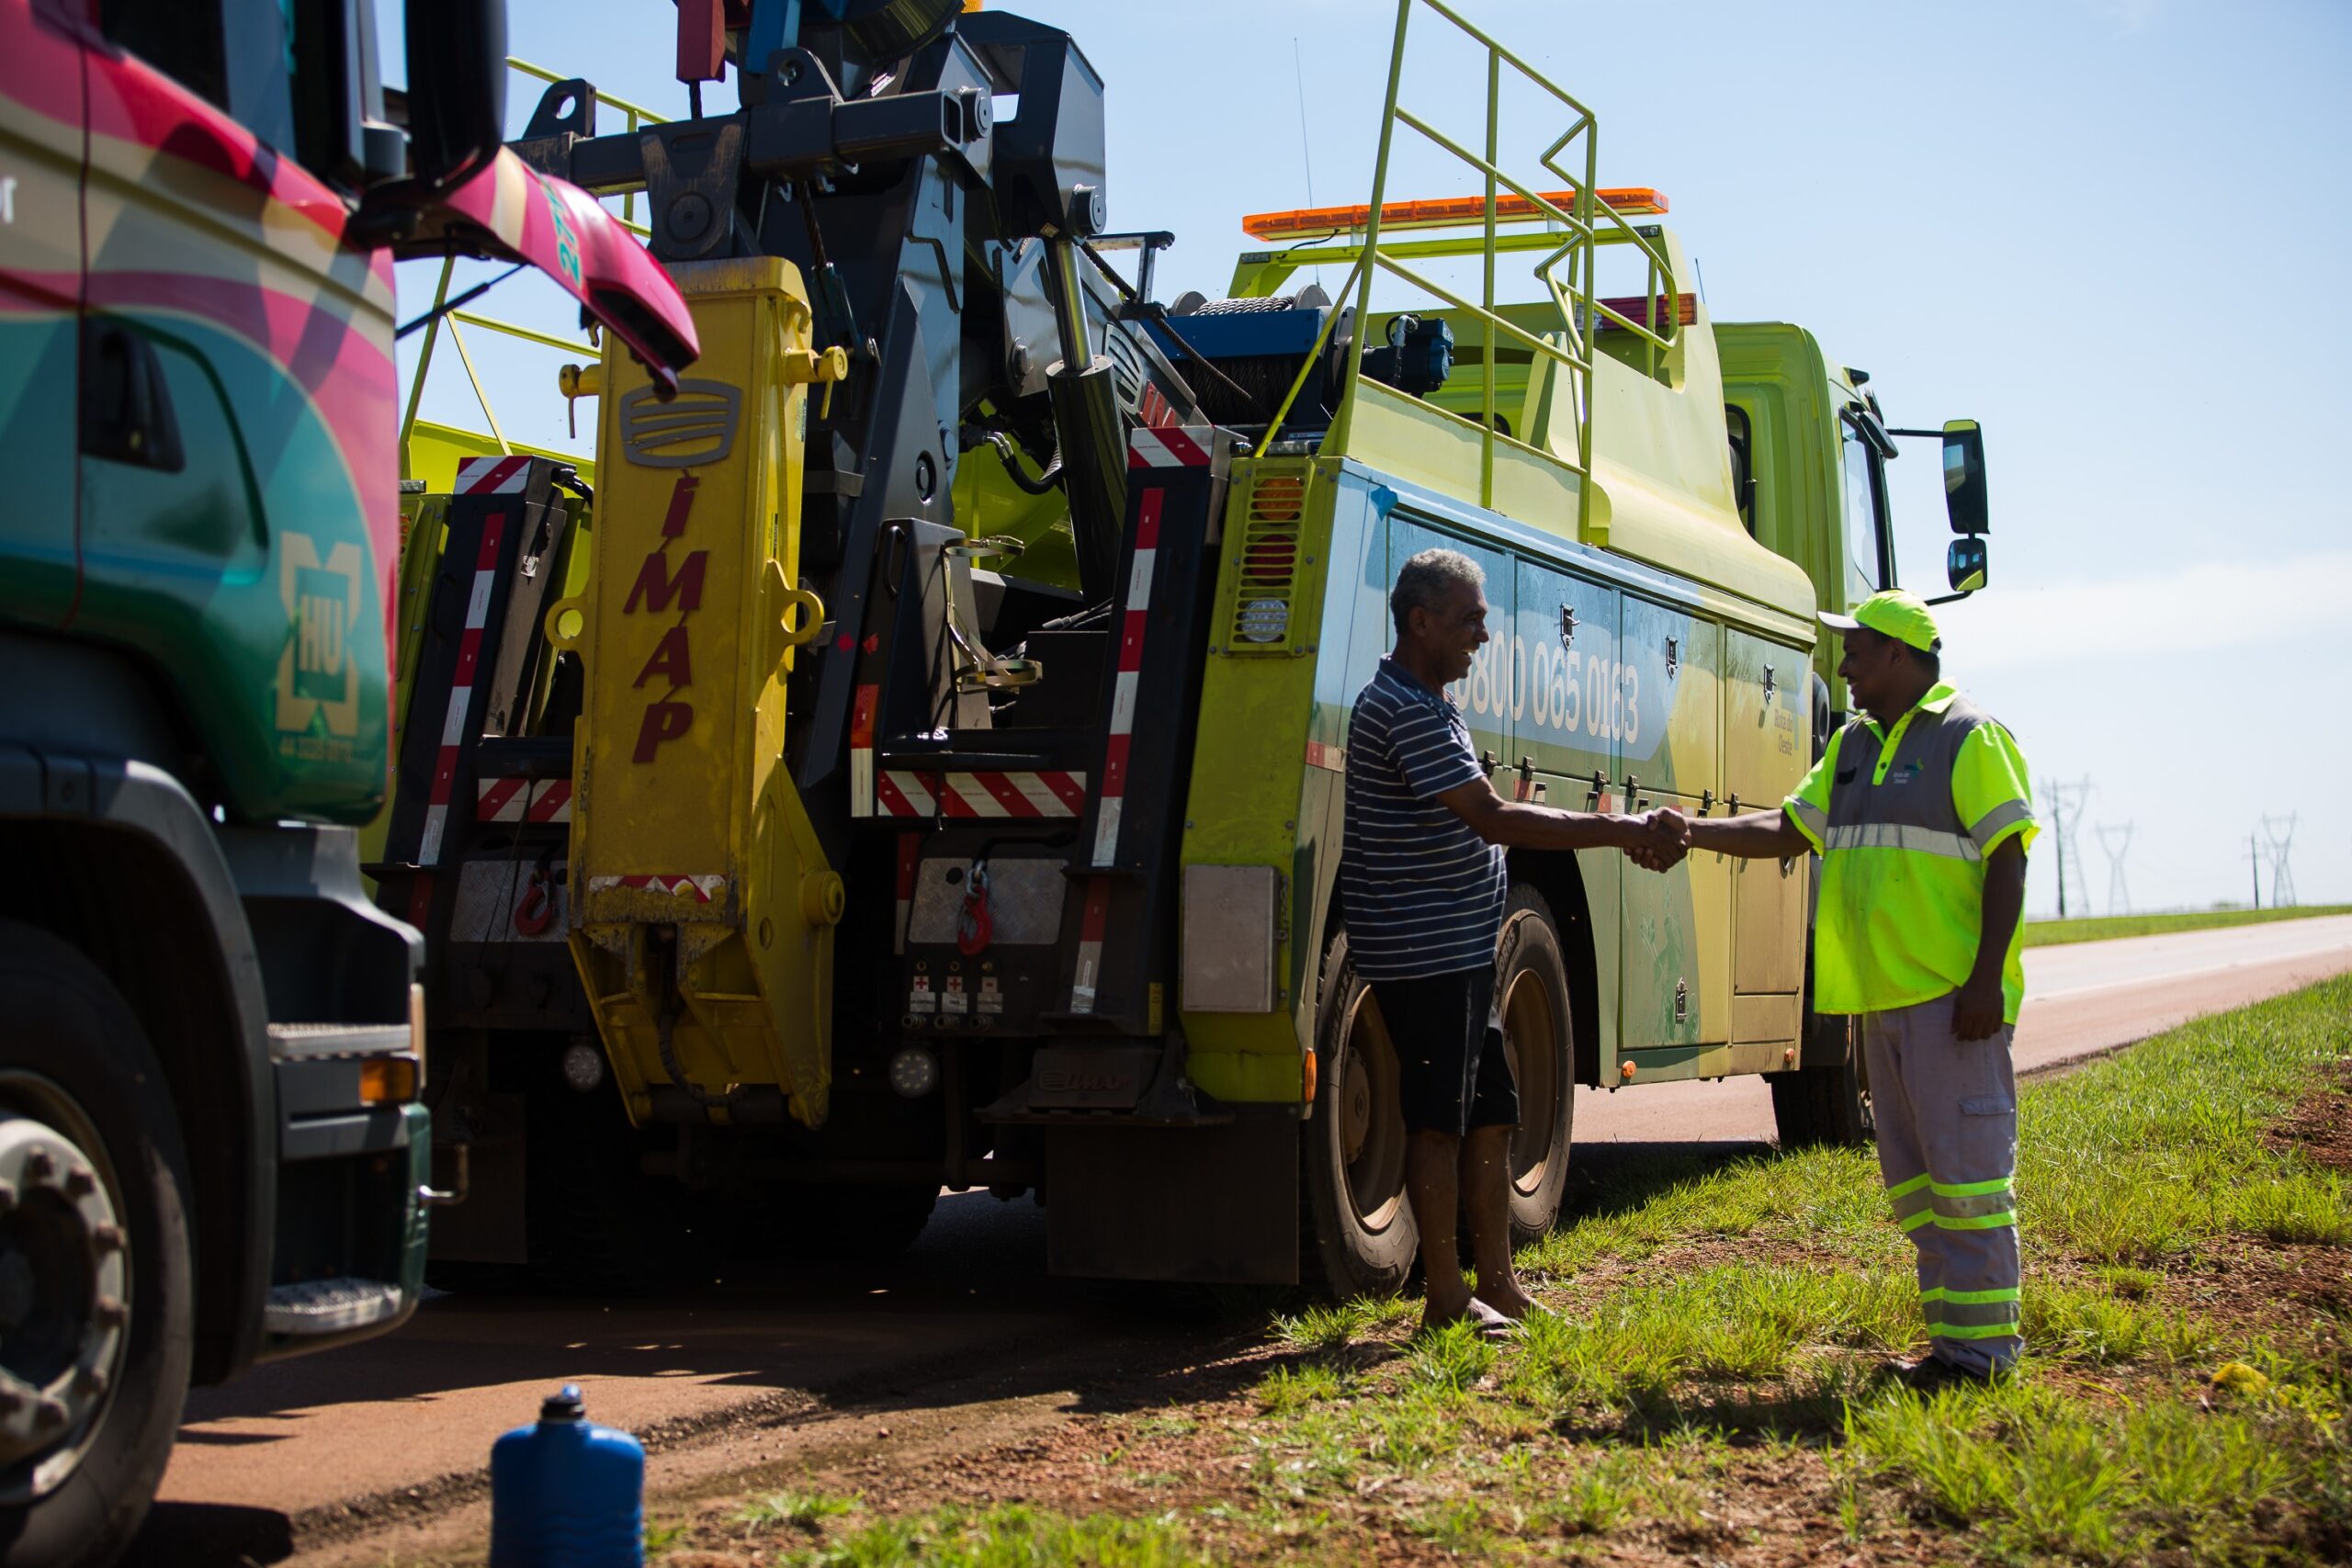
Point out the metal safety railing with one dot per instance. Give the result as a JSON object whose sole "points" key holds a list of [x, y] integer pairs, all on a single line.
{"points": [[1566, 269], [638, 117]]}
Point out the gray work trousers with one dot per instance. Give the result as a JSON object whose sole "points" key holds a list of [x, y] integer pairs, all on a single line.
{"points": [[1947, 1112]]}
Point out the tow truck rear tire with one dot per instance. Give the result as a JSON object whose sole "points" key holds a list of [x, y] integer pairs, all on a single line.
{"points": [[1357, 1233], [74, 1061], [862, 1224], [599, 1225], [1539, 1034], [1830, 1105]]}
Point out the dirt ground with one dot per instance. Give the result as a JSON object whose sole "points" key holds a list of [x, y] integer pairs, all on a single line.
{"points": [[1165, 1422]]}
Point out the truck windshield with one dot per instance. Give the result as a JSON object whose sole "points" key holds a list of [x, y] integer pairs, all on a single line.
{"points": [[1867, 567]]}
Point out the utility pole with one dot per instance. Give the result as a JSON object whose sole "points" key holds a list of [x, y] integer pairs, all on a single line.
{"points": [[2065, 801], [2282, 843], [2117, 842], [2253, 862]]}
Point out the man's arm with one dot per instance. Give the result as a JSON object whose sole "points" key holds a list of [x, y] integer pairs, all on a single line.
{"points": [[1976, 1006], [1753, 835], [1516, 824]]}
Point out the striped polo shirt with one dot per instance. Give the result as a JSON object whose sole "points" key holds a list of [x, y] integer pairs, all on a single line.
{"points": [[1424, 892]]}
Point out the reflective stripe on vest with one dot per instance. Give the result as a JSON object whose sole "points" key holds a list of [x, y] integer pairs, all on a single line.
{"points": [[1989, 828], [1896, 836]]}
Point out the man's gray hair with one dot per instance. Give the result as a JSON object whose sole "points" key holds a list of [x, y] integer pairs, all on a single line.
{"points": [[1429, 577]]}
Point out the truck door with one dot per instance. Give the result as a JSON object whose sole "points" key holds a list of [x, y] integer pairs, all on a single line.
{"points": [[242, 403], [1675, 985], [1564, 644], [1767, 745], [42, 116]]}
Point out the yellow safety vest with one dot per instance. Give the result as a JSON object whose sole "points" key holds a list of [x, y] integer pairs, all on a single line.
{"points": [[1904, 822]]}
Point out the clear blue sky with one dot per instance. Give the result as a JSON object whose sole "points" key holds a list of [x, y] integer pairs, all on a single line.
{"points": [[2114, 230]]}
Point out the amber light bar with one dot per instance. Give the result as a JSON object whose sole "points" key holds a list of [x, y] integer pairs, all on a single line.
{"points": [[1312, 222]]}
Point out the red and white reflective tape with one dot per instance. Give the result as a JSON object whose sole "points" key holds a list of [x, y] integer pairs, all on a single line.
{"points": [[902, 792], [492, 475], [861, 752], [461, 695], [1169, 446], [1134, 622], [705, 888], [523, 800]]}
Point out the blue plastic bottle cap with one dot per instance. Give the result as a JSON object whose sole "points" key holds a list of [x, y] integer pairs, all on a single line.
{"points": [[564, 1404]]}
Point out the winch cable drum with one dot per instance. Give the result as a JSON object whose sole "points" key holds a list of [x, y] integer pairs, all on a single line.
{"points": [[1193, 302], [1255, 385]]}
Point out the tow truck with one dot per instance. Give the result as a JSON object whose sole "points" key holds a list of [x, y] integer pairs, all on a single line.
{"points": [[917, 761], [211, 1148]]}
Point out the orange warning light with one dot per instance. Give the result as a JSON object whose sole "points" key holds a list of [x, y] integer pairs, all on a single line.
{"points": [[1447, 212]]}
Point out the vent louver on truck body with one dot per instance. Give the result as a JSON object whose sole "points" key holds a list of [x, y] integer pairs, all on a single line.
{"points": [[1266, 563]]}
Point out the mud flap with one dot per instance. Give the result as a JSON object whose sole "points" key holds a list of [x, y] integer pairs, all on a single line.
{"points": [[1206, 1205]]}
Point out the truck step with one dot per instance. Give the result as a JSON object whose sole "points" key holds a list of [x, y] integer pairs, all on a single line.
{"points": [[338, 1039], [329, 1307]]}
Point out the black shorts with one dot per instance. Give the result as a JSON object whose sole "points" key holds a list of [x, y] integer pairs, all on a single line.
{"points": [[1451, 1074]]}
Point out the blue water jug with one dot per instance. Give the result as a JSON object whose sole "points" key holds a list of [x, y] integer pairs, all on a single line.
{"points": [[565, 1492]]}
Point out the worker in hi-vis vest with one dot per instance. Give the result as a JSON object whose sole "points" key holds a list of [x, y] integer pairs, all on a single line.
{"points": [[1922, 816]]}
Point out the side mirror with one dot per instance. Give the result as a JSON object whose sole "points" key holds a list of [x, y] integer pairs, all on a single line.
{"points": [[457, 91], [1964, 564], [1964, 480]]}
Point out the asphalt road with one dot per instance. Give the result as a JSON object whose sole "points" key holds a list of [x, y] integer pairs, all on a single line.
{"points": [[305, 1451], [2081, 998]]}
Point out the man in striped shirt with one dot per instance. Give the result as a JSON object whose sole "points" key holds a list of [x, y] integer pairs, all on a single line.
{"points": [[1423, 879]]}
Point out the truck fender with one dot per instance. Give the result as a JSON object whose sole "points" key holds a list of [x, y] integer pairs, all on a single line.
{"points": [[137, 822]]}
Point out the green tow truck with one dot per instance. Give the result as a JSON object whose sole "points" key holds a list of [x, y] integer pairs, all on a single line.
{"points": [[921, 763]]}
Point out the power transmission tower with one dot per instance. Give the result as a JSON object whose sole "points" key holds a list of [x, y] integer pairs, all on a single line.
{"points": [[2065, 804], [2116, 841], [2282, 843]]}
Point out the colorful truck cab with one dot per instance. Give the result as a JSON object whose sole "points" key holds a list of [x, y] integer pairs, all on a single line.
{"points": [[211, 1149]]}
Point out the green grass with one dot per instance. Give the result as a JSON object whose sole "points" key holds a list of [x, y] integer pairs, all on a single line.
{"points": [[2132, 1171], [2035, 1475], [1011, 1537], [2049, 933], [805, 1509]]}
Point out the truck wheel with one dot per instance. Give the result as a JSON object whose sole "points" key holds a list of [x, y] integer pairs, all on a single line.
{"points": [[96, 1294], [598, 1224], [864, 1224], [1828, 1105], [1531, 995], [1358, 1236]]}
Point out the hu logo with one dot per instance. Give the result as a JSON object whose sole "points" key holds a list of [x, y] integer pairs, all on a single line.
{"points": [[316, 671]]}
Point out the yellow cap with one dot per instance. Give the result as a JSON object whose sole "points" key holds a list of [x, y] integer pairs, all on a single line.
{"points": [[1891, 612]]}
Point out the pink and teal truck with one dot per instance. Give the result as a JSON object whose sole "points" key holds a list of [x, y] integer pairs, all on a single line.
{"points": [[211, 1041]]}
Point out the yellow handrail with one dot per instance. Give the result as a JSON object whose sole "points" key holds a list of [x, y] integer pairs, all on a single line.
{"points": [[1566, 270]]}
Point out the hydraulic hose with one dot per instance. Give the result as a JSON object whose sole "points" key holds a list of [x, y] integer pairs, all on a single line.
{"points": [[1047, 479]]}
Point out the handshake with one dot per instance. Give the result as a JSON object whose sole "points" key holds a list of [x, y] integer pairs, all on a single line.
{"points": [[1660, 838]]}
